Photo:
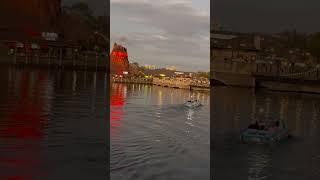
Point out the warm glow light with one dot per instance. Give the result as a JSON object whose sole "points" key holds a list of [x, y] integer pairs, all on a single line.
{"points": [[119, 55]]}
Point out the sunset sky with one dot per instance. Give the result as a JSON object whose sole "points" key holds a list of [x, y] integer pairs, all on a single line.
{"points": [[176, 32], [163, 32]]}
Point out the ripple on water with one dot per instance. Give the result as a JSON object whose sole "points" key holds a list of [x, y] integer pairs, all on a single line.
{"points": [[153, 139], [45, 119]]}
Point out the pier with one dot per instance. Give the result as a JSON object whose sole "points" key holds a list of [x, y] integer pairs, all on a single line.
{"points": [[60, 55], [200, 86], [132, 80], [267, 74], [181, 83]]}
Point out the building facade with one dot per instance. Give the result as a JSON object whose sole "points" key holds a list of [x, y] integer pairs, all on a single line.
{"points": [[29, 19]]}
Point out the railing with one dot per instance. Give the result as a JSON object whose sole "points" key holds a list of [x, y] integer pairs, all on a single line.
{"points": [[175, 83], [200, 84], [268, 69], [278, 72], [132, 80]]}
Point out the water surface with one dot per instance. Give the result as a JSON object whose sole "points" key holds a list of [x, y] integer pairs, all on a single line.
{"points": [[297, 158], [153, 136], [52, 124]]}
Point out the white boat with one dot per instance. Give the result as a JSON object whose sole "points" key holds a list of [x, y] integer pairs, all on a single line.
{"points": [[265, 135], [192, 103]]}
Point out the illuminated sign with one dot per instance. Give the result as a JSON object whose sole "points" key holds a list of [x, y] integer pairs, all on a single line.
{"points": [[49, 36], [179, 73], [19, 45], [35, 46]]}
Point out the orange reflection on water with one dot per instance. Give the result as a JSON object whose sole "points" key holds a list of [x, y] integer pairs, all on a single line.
{"points": [[24, 130], [117, 101], [26, 119]]}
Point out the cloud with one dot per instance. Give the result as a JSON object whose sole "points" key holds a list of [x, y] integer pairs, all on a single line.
{"points": [[266, 15], [162, 30]]}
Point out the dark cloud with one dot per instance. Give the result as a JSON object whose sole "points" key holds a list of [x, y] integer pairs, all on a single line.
{"points": [[266, 15]]}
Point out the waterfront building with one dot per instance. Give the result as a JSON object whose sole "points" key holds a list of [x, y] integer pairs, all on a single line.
{"points": [[171, 68], [231, 46], [151, 67], [31, 17]]}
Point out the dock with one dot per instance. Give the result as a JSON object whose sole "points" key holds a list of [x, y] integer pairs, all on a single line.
{"points": [[55, 55]]}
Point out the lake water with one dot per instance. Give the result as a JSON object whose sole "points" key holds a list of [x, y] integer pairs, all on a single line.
{"points": [[153, 136], [295, 159], [52, 125]]}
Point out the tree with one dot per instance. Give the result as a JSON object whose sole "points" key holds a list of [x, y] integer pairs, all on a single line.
{"points": [[203, 74], [137, 64], [81, 8], [314, 46], [79, 23]]}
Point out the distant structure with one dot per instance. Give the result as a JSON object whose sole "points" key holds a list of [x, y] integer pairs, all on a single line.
{"points": [[229, 45], [257, 42], [151, 67], [171, 68], [119, 60]]}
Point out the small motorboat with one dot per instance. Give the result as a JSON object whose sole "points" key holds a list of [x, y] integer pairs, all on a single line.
{"points": [[268, 132], [192, 103]]}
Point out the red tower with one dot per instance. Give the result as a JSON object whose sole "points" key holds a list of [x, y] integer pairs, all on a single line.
{"points": [[119, 60]]}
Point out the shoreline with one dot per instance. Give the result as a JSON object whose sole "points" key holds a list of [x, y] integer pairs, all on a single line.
{"points": [[53, 67], [284, 87], [151, 84]]}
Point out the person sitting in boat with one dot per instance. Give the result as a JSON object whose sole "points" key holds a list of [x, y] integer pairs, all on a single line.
{"points": [[275, 127], [262, 126], [254, 125]]}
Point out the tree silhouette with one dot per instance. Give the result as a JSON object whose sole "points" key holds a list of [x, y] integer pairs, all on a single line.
{"points": [[314, 46]]}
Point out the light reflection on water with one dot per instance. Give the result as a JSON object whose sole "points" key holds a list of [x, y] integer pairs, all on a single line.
{"points": [[52, 124], [153, 136]]}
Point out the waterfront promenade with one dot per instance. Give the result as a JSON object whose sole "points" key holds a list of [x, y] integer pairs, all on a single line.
{"points": [[174, 82], [53, 55], [132, 80], [85, 61]]}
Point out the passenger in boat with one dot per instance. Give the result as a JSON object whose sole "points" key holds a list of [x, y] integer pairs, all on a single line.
{"points": [[254, 125], [262, 126], [275, 127]]}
